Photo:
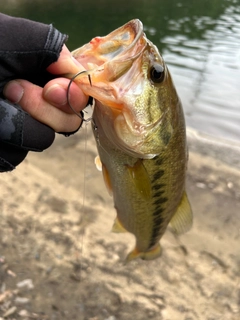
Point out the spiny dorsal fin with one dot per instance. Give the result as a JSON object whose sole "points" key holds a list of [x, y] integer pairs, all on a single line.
{"points": [[182, 220]]}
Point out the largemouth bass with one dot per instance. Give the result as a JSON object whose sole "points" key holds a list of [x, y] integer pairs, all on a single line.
{"points": [[139, 127]]}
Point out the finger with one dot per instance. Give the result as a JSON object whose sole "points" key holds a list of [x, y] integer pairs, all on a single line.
{"points": [[65, 64], [56, 93], [29, 97]]}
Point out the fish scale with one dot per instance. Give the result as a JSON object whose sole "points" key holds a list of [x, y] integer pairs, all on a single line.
{"points": [[139, 128]]}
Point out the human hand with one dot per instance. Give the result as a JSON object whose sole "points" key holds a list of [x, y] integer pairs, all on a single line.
{"points": [[49, 104], [34, 106]]}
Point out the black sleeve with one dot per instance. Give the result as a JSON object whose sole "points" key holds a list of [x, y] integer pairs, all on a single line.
{"points": [[27, 48], [20, 133]]}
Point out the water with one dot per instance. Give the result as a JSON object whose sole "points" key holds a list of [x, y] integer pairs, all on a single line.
{"points": [[200, 41], [207, 72]]}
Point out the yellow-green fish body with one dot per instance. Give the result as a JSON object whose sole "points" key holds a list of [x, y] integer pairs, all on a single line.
{"points": [[139, 127]]}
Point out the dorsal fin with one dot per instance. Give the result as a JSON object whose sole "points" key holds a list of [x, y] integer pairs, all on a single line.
{"points": [[182, 220]]}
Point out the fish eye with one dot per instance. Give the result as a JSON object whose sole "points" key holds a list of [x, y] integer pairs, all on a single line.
{"points": [[157, 73]]}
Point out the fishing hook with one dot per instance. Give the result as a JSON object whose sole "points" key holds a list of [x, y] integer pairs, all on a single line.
{"points": [[68, 90]]}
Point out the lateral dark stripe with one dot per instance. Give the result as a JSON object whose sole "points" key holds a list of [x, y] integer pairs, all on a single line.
{"points": [[158, 212], [158, 186], [158, 194], [160, 201], [158, 175], [158, 221]]}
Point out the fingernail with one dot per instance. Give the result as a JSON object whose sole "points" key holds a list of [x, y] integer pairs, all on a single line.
{"points": [[13, 91], [56, 95]]}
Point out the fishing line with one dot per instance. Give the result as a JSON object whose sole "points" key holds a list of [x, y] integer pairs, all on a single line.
{"points": [[83, 193], [90, 102], [68, 94]]}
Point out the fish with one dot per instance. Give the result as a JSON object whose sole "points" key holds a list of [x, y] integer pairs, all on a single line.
{"points": [[140, 133]]}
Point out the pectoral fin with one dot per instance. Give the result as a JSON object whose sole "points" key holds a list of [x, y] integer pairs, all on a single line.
{"points": [[182, 220], [107, 179], [140, 178]]}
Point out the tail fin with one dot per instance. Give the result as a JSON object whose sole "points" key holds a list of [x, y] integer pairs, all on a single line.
{"points": [[152, 254]]}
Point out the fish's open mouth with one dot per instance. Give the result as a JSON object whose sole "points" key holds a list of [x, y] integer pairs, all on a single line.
{"points": [[118, 65], [101, 50], [107, 59]]}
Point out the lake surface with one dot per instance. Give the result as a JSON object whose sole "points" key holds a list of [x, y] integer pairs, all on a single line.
{"points": [[200, 41]]}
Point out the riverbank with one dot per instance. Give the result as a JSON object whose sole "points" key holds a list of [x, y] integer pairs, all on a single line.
{"points": [[55, 224]]}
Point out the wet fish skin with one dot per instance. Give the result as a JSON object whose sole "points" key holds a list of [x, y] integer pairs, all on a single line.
{"points": [[145, 206], [139, 128]]}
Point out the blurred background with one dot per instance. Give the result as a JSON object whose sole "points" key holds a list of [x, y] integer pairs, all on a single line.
{"points": [[199, 40]]}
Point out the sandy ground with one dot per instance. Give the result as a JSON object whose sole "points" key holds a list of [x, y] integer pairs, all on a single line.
{"points": [[59, 260]]}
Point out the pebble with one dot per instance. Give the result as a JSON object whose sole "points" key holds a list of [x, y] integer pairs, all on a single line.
{"points": [[23, 313], [25, 283], [230, 185], [9, 312], [21, 300], [201, 185], [11, 273]]}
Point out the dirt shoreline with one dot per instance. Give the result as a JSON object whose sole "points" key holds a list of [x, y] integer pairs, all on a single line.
{"points": [[55, 224]]}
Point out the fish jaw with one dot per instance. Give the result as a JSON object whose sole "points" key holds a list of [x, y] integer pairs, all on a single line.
{"points": [[118, 66], [107, 59]]}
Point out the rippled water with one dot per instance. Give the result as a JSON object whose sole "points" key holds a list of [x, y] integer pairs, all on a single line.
{"points": [[200, 41], [207, 72]]}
